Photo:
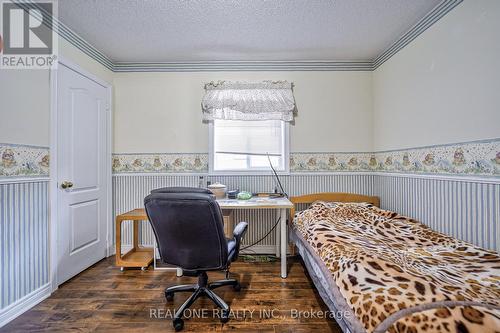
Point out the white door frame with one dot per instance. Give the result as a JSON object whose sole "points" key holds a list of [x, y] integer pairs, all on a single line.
{"points": [[53, 188]]}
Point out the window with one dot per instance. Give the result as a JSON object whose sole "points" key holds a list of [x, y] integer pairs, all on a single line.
{"points": [[243, 146]]}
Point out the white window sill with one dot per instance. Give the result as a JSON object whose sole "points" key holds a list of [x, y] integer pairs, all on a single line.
{"points": [[248, 173]]}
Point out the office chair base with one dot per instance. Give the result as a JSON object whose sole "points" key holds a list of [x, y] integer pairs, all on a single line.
{"points": [[178, 324], [203, 288]]}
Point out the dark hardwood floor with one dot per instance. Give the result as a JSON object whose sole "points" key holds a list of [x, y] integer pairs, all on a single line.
{"points": [[104, 299]]}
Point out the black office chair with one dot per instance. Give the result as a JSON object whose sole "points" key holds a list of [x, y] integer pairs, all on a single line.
{"points": [[189, 231]]}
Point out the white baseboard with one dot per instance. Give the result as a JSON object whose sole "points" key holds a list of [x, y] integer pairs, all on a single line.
{"points": [[24, 304]]}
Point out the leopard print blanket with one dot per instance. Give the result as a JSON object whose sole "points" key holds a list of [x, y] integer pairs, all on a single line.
{"points": [[398, 275]]}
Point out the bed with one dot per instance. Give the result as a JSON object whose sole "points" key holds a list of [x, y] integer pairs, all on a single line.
{"points": [[378, 271]]}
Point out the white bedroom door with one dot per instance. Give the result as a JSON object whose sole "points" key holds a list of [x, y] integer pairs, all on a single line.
{"points": [[82, 107]]}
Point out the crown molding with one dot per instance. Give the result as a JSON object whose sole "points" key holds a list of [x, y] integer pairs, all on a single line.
{"points": [[73, 38], [216, 66], [427, 21]]}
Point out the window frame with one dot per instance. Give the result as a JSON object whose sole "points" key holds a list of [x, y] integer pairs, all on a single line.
{"points": [[211, 155]]}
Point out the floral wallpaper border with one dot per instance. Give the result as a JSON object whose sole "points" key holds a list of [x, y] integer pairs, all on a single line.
{"points": [[477, 158], [160, 163], [23, 161]]}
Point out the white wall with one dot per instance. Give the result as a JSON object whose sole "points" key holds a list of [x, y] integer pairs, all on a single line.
{"points": [[444, 87], [161, 112], [24, 106], [25, 98]]}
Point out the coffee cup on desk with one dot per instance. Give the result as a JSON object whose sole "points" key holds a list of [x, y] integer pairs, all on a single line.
{"points": [[218, 189]]}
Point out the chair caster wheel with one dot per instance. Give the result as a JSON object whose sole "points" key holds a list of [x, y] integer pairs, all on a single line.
{"points": [[237, 287], [178, 324], [224, 318], [143, 268], [169, 297]]}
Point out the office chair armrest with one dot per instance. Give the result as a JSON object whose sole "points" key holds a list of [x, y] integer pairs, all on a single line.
{"points": [[238, 232]]}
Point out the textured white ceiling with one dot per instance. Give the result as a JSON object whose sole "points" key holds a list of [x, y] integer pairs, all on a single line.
{"points": [[197, 30]]}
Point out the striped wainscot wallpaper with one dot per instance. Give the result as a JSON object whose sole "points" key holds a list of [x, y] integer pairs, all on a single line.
{"points": [[129, 192], [468, 209], [24, 240]]}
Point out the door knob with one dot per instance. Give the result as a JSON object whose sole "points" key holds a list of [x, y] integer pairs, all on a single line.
{"points": [[65, 184]]}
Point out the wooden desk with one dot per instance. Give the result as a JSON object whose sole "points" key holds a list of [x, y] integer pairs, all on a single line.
{"points": [[281, 205], [138, 256]]}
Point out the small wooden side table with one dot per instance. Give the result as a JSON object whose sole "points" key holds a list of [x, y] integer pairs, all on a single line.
{"points": [[138, 256], [228, 216]]}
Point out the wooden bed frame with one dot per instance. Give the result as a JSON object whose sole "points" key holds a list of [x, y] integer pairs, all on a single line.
{"points": [[332, 196]]}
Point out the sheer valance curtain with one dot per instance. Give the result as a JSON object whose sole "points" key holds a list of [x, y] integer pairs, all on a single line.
{"points": [[267, 100]]}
